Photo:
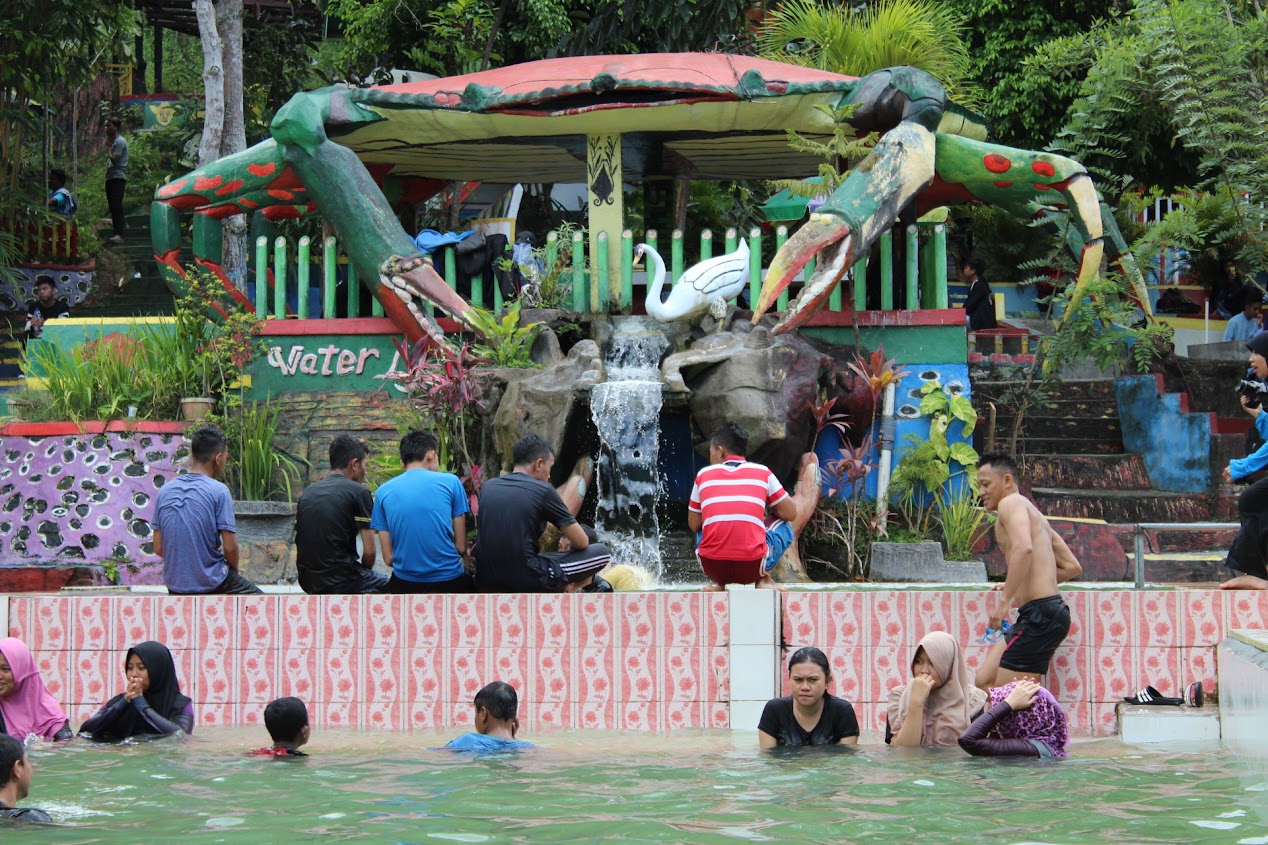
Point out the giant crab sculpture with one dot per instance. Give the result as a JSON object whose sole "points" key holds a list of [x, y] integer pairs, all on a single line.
{"points": [[924, 158]]}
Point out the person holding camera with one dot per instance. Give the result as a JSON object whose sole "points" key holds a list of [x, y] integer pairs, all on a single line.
{"points": [[1247, 555]]}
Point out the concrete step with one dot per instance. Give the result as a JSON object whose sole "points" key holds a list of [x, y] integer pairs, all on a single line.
{"points": [[1123, 471], [1145, 724], [1123, 506]]}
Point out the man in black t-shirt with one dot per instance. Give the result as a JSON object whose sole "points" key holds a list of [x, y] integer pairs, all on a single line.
{"points": [[15, 782], [514, 510], [46, 306], [328, 517]]}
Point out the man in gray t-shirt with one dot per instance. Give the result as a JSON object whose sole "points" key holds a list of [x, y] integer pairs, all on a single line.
{"points": [[116, 175]]}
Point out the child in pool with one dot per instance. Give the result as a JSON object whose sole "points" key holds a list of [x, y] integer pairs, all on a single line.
{"points": [[1023, 720], [496, 722], [287, 723]]}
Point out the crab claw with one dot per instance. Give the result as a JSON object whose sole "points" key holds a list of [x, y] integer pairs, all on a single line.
{"points": [[824, 236], [410, 282]]}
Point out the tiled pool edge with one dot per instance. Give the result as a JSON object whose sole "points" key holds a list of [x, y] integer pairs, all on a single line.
{"points": [[646, 661], [1243, 672]]}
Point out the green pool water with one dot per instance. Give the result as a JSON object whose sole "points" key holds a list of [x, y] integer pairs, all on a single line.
{"points": [[685, 787]]}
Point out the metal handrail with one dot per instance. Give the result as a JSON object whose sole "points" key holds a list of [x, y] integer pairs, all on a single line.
{"points": [[1142, 527]]}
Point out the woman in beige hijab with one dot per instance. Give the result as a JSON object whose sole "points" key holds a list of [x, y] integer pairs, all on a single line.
{"points": [[940, 702]]}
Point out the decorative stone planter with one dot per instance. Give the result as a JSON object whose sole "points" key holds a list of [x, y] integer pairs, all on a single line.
{"points": [[266, 540], [922, 563]]}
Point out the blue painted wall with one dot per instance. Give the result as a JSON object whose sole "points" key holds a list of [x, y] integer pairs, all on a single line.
{"points": [[1176, 445]]}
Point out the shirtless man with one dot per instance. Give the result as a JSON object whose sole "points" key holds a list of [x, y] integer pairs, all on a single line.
{"points": [[1038, 560]]}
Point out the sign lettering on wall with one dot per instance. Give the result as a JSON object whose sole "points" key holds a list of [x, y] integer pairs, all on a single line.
{"points": [[330, 362]]}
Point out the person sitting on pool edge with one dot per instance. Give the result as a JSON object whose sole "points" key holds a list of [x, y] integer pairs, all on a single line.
{"points": [[735, 544], [1023, 720], [496, 721], [15, 782], [287, 722], [811, 715]]}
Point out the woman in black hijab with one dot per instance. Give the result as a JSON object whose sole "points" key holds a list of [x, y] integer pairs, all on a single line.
{"points": [[152, 704]]}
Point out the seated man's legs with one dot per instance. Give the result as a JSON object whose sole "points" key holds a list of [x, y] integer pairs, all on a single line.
{"points": [[1246, 557], [373, 582], [580, 566], [464, 583], [237, 585]]}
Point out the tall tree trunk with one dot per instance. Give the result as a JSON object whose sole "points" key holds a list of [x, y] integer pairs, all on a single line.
{"points": [[213, 82], [234, 136]]}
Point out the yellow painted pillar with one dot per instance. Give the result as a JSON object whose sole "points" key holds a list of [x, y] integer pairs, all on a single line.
{"points": [[607, 214]]}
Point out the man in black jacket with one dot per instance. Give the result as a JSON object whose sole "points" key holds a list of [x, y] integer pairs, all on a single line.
{"points": [[980, 304]]}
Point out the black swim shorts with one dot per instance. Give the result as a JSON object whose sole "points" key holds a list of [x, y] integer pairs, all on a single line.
{"points": [[1040, 628]]}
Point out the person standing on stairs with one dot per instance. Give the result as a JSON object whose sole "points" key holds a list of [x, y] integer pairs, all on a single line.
{"points": [[1038, 562], [1246, 557], [116, 175]]}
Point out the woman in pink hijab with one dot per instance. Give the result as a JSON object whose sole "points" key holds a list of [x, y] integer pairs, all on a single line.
{"points": [[940, 702], [26, 705]]}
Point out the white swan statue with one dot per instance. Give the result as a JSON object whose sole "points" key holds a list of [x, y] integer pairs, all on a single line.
{"points": [[707, 284]]}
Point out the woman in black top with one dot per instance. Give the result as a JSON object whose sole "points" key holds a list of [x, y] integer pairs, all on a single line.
{"points": [[811, 715], [151, 706]]}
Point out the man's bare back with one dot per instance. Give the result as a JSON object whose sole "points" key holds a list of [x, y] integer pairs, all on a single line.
{"points": [[1038, 560]]}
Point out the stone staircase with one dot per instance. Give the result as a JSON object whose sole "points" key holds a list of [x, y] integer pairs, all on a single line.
{"points": [[1075, 466], [142, 293]]}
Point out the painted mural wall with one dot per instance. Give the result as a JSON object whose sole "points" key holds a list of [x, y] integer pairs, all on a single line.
{"points": [[73, 284], [85, 499]]}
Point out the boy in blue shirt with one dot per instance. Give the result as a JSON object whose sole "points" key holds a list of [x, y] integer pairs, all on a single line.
{"points": [[496, 721], [421, 520]]}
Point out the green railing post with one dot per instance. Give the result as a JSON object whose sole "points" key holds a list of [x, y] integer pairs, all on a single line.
{"points": [[732, 240], [330, 278], [941, 297], [781, 238], [858, 282], [354, 291], [599, 294], [913, 268], [754, 265], [552, 255], [477, 289], [497, 287], [261, 277], [451, 267], [578, 272], [627, 271], [676, 259], [887, 271], [706, 244], [651, 239], [302, 269], [279, 278]]}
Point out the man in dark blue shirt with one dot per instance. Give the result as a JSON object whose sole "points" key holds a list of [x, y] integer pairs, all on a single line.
{"points": [[15, 782]]}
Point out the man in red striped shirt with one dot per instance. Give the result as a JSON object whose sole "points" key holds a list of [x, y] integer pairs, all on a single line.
{"points": [[728, 510]]}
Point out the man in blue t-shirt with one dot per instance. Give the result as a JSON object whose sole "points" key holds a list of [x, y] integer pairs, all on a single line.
{"points": [[496, 722], [421, 520], [194, 530]]}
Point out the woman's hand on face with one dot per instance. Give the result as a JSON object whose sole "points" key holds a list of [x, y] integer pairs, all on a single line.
{"points": [[1023, 695], [921, 685], [133, 690]]}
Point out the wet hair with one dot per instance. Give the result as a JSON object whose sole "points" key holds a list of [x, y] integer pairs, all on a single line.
{"points": [[415, 446], [529, 449], [810, 654], [975, 264], [46, 280], [116, 122], [731, 437], [1000, 460], [57, 177], [285, 718], [500, 699], [207, 442], [345, 449], [11, 751]]}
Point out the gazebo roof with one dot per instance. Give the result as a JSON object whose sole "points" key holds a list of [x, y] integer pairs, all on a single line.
{"points": [[697, 115]]}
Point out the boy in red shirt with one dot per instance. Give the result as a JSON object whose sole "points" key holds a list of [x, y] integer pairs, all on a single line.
{"points": [[728, 510]]}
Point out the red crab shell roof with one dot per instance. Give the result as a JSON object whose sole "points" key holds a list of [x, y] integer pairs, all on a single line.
{"points": [[699, 115]]}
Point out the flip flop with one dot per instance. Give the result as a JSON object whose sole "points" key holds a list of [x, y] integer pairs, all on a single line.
{"points": [[1193, 696], [1149, 695]]}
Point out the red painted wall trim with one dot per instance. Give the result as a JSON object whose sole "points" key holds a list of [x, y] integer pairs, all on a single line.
{"points": [[82, 268], [53, 429], [349, 326], [923, 317]]}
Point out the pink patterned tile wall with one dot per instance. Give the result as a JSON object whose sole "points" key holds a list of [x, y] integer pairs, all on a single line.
{"points": [[1119, 641], [648, 661]]}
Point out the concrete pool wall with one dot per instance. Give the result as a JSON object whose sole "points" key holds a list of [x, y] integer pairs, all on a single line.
{"points": [[642, 661]]}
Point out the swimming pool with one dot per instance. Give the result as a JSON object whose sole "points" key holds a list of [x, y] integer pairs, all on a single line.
{"points": [[697, 786]]}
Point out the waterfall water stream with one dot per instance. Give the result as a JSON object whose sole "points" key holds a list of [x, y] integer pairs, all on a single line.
{"points": [[626, 411]]}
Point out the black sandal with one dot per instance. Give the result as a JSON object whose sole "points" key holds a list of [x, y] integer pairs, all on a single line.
{"points": [[1149, 695]]}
